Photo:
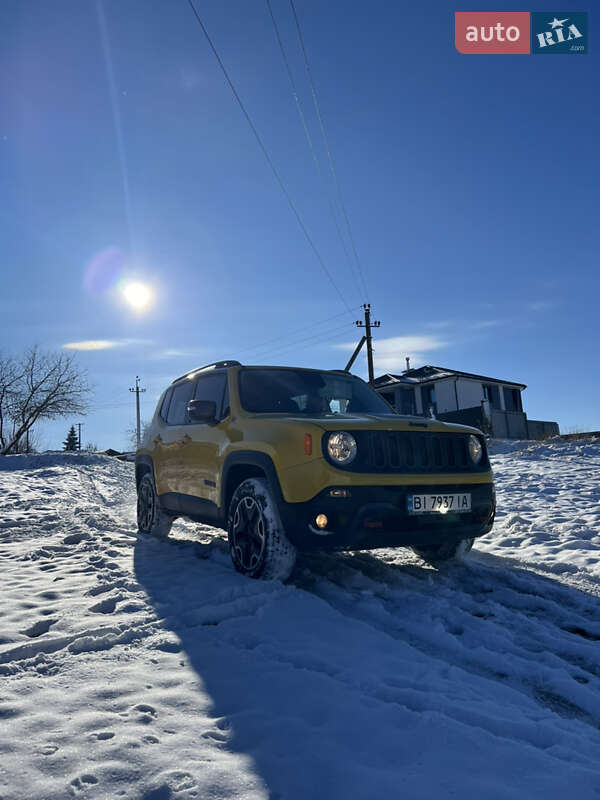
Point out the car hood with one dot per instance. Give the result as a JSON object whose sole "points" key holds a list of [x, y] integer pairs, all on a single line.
{"points": [[342, 422]]}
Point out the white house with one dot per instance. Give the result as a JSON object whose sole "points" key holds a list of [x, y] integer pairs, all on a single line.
{"points": [[491, 404]]}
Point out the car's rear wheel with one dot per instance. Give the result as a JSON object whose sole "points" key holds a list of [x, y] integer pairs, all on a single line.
{"points": [[448, 551], [151, 518], [258, 545]]}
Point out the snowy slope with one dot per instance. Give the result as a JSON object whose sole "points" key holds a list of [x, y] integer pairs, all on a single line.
{"points": [[143, 669]]}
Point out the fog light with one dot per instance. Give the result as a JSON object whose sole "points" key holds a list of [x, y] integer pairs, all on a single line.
{"points": [[321, 521]]}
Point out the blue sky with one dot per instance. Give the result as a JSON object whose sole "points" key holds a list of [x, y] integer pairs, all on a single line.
{"points": [[471, 184]]}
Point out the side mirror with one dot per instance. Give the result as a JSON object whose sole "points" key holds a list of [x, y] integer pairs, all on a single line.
{"points": [[202, 411]]}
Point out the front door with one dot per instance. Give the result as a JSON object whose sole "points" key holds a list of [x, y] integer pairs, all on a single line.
{"points": [[201, 452]]}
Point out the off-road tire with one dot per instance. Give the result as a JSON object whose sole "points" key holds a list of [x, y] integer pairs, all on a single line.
{"points": [[448, 551], [258, 545], [151, 518]]}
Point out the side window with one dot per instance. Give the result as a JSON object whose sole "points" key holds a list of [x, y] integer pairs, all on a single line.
{"points": [[212, 387], [512, 399], [492, 394], [182, 394], [165, 405]]}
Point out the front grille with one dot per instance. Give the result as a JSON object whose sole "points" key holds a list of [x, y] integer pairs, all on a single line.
{"points": [[412, 452]]}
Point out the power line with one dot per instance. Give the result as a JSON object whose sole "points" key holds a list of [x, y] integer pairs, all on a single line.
{"points": [[110, 405], [288, 347], [328, 149], [292, 333], [295, 345], [268, 160], [310, 141], [294, 90]]}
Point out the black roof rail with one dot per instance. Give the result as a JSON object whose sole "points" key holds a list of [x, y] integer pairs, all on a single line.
{"points": [[214, 365]]}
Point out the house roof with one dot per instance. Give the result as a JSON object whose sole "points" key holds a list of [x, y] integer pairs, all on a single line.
{"points": [[430, 373]]}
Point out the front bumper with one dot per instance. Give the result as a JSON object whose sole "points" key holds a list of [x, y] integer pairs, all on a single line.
{"points": [[377, 516]]}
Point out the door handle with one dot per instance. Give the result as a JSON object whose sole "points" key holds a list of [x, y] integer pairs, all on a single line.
{"points": [[187, 438], [157, 439]]}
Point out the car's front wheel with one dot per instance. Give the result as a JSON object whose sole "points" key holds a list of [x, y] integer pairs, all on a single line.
{"points": [[448, 551], [257, 542], [151, 518]]}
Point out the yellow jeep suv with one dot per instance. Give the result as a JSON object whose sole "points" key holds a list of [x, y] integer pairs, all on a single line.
{"points": [[286, 459]]}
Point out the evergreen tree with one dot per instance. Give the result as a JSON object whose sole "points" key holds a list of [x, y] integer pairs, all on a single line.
{"points": [[71, 442]]}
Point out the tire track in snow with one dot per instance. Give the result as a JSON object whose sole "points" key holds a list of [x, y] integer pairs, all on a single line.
{"points": [[86, 538], [476, 619]]}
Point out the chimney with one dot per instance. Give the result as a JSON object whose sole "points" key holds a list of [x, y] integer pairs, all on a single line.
{"points": [[407, 363]]}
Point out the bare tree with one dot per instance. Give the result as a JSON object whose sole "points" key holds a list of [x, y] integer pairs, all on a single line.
{"points": [[131, 434], [10, 376], [47, 385], [33, 441], [30, 442]]}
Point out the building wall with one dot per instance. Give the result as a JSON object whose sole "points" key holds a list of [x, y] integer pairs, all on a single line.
{"points": [[444, 396], [540, 429], [468, 416], [418, 400], [470, 393], [509, 425]]}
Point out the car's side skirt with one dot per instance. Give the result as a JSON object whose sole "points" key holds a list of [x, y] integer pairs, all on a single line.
{"points": [[196, 508]]}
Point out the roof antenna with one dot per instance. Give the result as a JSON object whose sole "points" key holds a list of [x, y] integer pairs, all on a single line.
{"points": [[407, 363]]}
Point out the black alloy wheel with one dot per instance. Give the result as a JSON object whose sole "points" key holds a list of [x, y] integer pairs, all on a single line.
{"points": [[146, 502], [248, 533], [151, 517]]}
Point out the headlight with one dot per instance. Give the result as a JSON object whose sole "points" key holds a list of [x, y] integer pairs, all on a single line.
{"points": [[341, 447], [475, 449]]}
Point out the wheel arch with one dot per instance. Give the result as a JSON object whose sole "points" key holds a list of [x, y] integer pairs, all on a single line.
{"points": [[245, 464], [143, 466]]}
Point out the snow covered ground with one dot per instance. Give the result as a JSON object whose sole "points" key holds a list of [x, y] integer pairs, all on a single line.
{"points": [[136, 668]]}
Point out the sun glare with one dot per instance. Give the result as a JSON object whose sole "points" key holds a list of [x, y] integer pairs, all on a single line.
{"points": [[137, 295]]}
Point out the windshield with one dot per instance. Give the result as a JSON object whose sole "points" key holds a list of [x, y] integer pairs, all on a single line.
{"points": [[298, 391]]}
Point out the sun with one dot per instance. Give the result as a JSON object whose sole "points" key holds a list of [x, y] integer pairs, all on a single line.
{"points": [[137, 295]]}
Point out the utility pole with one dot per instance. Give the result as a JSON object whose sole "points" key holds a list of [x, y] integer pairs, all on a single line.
{"points": [[137, 391], [79, 424], [367, 325]]}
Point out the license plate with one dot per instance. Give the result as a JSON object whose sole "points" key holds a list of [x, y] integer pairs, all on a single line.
{"points": [[438, 503]]}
